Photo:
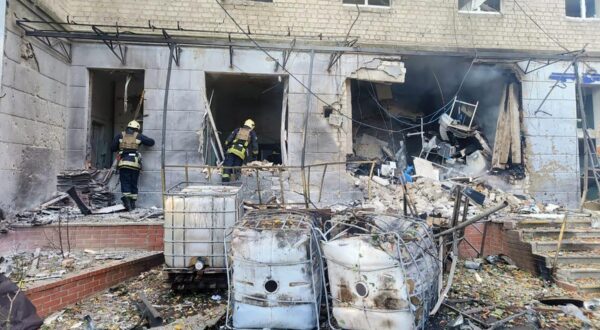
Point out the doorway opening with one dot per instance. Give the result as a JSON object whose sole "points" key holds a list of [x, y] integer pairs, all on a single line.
{"points": [[591, 104], [237, 97], [111, 110]]}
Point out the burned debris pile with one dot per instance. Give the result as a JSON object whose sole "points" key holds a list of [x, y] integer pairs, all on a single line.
{"points": [[91, 184]]}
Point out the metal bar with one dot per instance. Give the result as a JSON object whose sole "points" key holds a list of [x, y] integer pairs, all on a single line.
{"points": [[187, 175], [474, 219], [370, 179], [164, 127], [281, 186], [392, 51], [322, 181], [257, 186], [305, 130], [485, 231], [308, 183], [558, 245]]}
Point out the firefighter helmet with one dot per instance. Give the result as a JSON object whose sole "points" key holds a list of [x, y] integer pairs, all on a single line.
{"points": [[249, 123], [134, 124]]}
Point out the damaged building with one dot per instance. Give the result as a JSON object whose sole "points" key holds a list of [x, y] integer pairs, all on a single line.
{"points": [[438, 110], [68, 64]]}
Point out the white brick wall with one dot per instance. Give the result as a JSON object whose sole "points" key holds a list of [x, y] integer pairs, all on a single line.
{"points": [[434, 24]]}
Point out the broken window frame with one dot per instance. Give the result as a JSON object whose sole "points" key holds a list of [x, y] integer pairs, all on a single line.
{"points": [[365, 3], [583, 9], [477, 10]]}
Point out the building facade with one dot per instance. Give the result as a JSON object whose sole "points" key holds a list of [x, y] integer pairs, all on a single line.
{"points": [[291, 65]]}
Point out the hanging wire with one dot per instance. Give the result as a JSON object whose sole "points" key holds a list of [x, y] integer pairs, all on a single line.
{"points": [[299, 81]]}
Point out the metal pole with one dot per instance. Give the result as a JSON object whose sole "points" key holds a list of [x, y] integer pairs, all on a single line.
{"points": [[164, 125], [305, 131], [474, 219]]}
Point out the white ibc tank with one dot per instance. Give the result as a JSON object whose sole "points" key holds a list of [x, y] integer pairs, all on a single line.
{"points": [[196, 217], [383, 276], [275, 279]]}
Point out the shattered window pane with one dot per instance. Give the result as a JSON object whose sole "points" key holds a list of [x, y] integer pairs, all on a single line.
{"points": [[380, 3], [479, 5]]}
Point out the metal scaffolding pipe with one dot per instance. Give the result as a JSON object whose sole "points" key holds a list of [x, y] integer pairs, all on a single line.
{"points": [[474, 219]]}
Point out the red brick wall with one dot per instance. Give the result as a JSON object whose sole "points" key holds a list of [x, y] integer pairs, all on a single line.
{"points": [[500, 240], [52, 297], [85, 236]]}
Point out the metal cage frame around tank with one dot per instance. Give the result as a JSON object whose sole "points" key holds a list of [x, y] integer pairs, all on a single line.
{"points": [[427, 299], [177, 191], [316, 257]]}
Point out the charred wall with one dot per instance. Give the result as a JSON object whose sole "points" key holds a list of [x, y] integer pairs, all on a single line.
{"points": [[33, 104]]}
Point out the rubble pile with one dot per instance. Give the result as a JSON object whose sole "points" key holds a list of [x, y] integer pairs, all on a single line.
{"points": [[115, 308], [28, 268], [92, 185], [501, 294], [435, 198]]}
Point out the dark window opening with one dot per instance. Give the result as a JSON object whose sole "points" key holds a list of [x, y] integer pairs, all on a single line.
{"points": [[237, 97], [582, 8], [108, 113]]}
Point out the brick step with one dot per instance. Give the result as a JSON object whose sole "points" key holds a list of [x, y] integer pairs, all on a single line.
{"points": [[567, 245], [582, 286], [574, 273], [553, 233], [570, 258], [579, 222]]}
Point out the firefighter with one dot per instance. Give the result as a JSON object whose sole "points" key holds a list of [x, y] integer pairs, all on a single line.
{"points": [[241, 145], [129, 161]]}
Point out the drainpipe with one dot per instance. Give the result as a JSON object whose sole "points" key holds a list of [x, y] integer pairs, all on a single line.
{"points": [[305, 130], [164, 125]]}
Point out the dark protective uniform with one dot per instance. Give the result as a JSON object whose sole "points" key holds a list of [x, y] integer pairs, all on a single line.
{"points": [[130, 161], [240, 144], [23, 315]]}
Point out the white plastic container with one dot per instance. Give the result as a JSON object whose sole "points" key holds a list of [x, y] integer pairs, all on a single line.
{"points": [[195, 221], [382, 277], [276, 274]]}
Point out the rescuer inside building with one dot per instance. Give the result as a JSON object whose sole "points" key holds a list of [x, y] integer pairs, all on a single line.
{"points": [[242, 145], [129, 161]]}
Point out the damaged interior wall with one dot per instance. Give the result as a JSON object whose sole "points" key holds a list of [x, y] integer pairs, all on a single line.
{"points": [[33, 108]]}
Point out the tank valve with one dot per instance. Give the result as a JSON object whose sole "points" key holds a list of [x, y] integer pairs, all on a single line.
{"points": [[199, 265]]}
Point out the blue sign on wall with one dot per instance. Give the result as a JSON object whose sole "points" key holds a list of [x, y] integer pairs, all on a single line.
{"points": [[588, 78]]}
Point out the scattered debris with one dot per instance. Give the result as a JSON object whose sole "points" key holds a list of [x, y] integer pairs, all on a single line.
{"points": [[507, 295], [28, 268], [115, 308]]}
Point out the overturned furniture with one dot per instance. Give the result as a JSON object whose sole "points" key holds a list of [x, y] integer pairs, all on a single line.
{"points": [[196, 216], [275, 272], [382, 272]]}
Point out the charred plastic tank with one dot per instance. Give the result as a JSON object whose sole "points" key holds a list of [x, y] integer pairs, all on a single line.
{"points": [[275, 272], [382, 271]]}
